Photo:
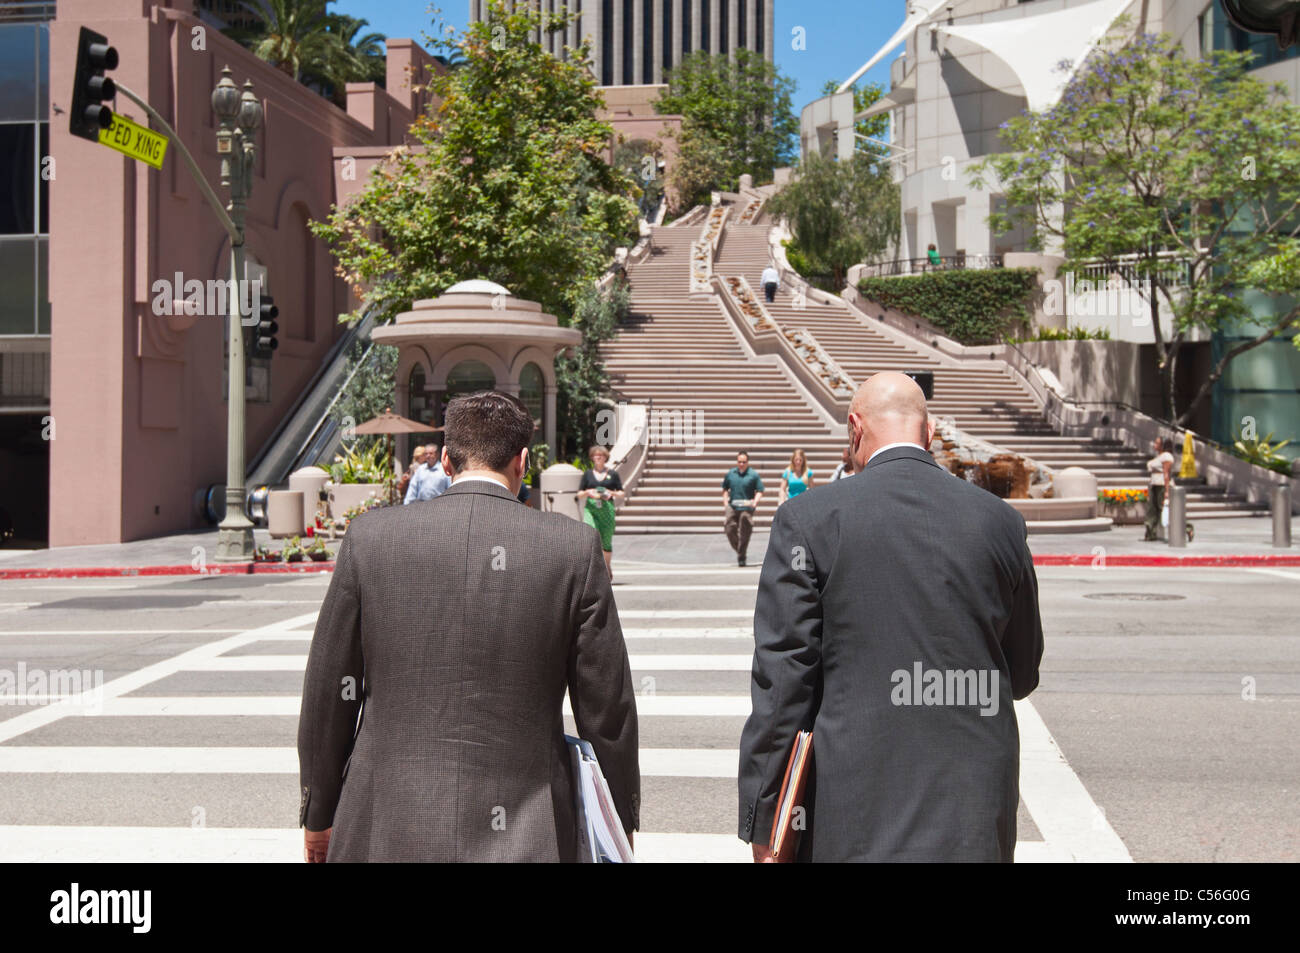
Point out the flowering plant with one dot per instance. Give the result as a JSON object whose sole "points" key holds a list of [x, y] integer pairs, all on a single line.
{"points": [[1122, 497]]}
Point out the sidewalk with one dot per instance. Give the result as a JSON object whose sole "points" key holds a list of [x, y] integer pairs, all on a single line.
{"points": [[1226, 542]]}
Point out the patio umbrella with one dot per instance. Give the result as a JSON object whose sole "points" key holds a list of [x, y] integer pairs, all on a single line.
{"points": [[389, 423]]}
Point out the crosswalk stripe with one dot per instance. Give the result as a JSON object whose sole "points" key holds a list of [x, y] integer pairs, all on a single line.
{"points": [[732, 587], [685, 613], [94, 700], [129, 845], [707, 632], [143, 706], [131, 759], [639, 663], [1063, 811]]}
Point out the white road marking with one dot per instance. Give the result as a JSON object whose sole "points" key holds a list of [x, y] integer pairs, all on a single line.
{"points": [[262, 845], [1295, 576], [1070, 821], [685, 613], [127, 759], [119, 631], [732, 587], [639, 663], [709, 632], [92, 700], [145, 706], [134, 845]]}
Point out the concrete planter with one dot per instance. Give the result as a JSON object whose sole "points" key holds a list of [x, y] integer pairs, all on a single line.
{"points": [[1124, 514], [344, 496]]}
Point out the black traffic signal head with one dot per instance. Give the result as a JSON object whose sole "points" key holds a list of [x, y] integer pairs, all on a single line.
{"points": [[264, 342], [91, 87]]}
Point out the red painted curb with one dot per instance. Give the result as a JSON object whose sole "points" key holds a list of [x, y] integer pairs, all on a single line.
{"points": [[1168, 562], [1241, 561]]}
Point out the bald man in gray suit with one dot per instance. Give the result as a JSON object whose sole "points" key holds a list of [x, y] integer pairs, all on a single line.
{"points": [[897, 617]]}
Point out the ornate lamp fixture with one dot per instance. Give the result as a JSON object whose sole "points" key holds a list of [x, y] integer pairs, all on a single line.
{"points": [[1279, 18]]}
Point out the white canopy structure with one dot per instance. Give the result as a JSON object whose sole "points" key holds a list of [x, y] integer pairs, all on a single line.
{"points": [[1035, 46]]}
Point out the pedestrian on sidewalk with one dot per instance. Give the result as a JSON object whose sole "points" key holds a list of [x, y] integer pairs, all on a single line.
{"points": [[845, 468], [429, 480], [417, 461], [770, 281], [599, 488], [897, 619], [1161, 470], [797, 477], [741, 491], [432, 725]]}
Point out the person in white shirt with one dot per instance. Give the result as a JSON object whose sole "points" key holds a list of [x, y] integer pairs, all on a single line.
{"points": [[845, 469], [770, 281]]}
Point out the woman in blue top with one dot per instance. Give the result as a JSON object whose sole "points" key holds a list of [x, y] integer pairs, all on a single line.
{"points": [[796, 477]]}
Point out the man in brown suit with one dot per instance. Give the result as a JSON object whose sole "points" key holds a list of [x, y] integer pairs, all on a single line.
{"points": [[431, 726]]}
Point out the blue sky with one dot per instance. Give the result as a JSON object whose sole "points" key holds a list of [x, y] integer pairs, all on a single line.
{"points": [[840, 35]]}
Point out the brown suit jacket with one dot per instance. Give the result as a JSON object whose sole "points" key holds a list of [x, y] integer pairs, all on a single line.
{"points": [[460, 621]]}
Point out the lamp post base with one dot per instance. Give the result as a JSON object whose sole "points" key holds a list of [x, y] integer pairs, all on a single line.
{"points": [[235, 543], [235, 531]]}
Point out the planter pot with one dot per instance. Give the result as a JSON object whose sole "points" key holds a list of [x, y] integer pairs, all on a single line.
{"points": [[344, 496], [1124, 514], [293, 558], [319, 557]]}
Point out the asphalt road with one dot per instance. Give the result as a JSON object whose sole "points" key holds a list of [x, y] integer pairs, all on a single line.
{"points": [[1173, 696]]}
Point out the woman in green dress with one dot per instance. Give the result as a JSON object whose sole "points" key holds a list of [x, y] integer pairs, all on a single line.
{"points": [[599, 488]]}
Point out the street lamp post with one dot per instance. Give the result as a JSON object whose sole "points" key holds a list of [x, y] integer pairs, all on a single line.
{"points": [[238, 115]]}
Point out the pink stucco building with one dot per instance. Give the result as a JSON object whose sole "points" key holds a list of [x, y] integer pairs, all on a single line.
{"points": [[138, 400]]}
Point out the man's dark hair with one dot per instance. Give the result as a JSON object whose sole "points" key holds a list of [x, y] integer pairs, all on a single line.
{"points": [[742, 453], [486, 430]]}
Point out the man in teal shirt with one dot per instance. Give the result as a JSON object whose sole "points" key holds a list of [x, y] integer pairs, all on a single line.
{"points": [[742, 489]]}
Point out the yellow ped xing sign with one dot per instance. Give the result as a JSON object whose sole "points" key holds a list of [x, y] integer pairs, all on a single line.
{"points": [[137, 141]]}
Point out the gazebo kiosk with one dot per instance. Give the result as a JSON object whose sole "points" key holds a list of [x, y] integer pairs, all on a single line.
{"points": [[476, 336]]}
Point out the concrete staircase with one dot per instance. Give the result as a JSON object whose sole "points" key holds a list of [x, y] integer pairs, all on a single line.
{"points": [[683, 354]]}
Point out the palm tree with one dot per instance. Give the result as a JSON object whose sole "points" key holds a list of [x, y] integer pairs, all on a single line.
{"points": [[317, 48], [366, 51]]}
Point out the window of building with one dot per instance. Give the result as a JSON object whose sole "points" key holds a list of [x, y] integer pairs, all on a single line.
{"points": [[532, 391], [469, 377], [24, 178]]}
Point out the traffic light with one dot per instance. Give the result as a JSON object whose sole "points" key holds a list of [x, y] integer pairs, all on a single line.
{"points": [[264, 332], [91, 87]]}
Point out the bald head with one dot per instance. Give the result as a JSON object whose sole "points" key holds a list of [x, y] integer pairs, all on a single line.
{"points": [[888, 408]]}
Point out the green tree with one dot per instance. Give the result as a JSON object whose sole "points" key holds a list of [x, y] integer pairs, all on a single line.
{"points": [[840, 213], [1186, 171], [506, 182], [316, 47], [737, 118], [581, 380]]}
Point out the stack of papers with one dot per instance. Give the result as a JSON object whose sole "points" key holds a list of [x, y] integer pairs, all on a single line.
{"points": [[600, 831]]}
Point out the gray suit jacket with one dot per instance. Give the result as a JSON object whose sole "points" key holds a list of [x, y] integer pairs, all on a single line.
{"points": [[461, 621], [899, 571]]}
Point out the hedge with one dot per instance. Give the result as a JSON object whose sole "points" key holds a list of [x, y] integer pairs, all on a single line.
{"points": [[971, 307]]}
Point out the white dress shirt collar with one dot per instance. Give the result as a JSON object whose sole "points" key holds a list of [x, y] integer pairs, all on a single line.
{"points": [[466, 479], [891, 446]]}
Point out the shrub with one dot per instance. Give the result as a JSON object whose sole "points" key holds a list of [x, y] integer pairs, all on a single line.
{"points": [[971, 307]]}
